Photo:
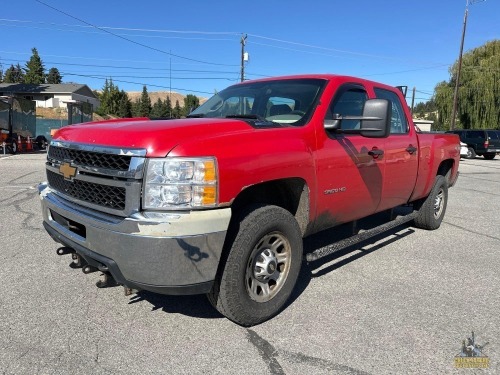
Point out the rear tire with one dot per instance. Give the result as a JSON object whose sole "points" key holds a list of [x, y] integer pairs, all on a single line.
{"points": [[431, 210], [489, 156], [13, 148], [263, 260], [471, 154]]}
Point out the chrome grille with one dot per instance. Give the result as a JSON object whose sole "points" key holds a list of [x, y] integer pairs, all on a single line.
{"points": [[90, 159], [102, 195]]}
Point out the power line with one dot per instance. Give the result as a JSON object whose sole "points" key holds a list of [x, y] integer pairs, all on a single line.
{"points": [[113, 76], [132, 29], [141, 83], [129, 35], [127, 67], [129, 40]]}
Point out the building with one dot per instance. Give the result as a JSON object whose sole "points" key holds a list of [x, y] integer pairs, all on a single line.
{"points": [[424, 125], [51, 95]]}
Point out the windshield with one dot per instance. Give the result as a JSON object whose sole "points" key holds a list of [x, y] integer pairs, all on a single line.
{"points": [[290, 101]]}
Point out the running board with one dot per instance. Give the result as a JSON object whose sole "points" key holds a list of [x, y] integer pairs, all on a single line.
{"points": [[357, 238]]}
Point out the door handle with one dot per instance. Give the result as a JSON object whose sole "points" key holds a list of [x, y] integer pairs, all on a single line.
{"points": [[411, 150], [376, 153]]}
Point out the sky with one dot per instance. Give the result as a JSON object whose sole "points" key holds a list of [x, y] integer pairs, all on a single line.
{"points": [[195, 47]]}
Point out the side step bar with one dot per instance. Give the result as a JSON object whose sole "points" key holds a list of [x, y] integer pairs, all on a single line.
{"points": [[357, 238]]}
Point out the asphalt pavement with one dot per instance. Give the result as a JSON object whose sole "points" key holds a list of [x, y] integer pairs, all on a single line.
{"points": [[401, 303]]}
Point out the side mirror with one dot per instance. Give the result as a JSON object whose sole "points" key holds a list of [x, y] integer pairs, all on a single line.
{"points": [[376, 120]]}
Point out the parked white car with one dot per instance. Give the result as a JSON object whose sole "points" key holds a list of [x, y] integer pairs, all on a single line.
{"points": [[464, 151]]}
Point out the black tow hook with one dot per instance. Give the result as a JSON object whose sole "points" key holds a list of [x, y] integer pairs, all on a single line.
{"points": [[108, 281], [65, 251], [89, 269], [78, 261]]}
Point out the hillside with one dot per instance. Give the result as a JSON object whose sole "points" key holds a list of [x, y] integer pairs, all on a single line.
{"points": [[155, 95]]}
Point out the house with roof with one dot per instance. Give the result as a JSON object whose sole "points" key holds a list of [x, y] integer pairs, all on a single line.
{"points": [[51, 95]]}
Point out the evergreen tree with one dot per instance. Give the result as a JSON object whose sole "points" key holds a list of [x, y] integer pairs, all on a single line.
{"points": [[135, 108], [167, 108], [14, 74], [35, 71], [110, 98], [191, 102], [54, 76], [145, 103], [177, 111], [125, 106], [156, 111]]}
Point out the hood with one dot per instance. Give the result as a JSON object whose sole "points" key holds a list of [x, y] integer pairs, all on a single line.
{"points": [[158, 137]]}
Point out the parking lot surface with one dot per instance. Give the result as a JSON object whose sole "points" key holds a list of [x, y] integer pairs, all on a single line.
{"points": [[401, 303]]}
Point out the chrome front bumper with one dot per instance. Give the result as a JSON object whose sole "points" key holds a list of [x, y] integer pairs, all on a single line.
{"points": [[171, 253]]}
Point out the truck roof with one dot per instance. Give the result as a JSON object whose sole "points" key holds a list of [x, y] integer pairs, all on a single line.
{"points": [[326, 76]]}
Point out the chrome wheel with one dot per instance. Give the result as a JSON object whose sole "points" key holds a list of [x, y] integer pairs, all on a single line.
{"points": [[268, 267], [439, 204]]}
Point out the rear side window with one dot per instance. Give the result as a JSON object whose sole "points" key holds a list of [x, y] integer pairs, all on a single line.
{"points": [[493, 134], [475, 134], [399, 123]]}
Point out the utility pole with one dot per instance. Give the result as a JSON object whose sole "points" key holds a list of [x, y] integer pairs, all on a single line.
{"points": [[457, 81], [170, 79], [243, 42], [413, 100]]}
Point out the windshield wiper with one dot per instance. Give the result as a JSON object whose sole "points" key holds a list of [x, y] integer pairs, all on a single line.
{"points": [[261, 121], [250, 117]]}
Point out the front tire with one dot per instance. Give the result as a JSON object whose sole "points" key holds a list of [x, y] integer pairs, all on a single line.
{"points": [[431, 210], [262, 265]]}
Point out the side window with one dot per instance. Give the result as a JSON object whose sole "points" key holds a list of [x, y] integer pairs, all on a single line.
{"points": [[399, 123], [476, 134], [348, 103]]}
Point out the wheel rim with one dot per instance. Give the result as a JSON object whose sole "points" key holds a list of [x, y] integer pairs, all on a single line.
{"points": [[469, 154], [439, 203], [268, 267]]}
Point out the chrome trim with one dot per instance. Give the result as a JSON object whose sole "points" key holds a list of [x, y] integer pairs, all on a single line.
{"points": [[135, 171], [101, 149], [132, 193], [136, 166]]}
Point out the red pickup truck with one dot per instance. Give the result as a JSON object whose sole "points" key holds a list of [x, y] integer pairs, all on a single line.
{"points": [[219, 202]]}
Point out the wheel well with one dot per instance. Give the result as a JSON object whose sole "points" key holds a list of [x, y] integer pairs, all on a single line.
{"points": [[292, 194], [445, 169]]}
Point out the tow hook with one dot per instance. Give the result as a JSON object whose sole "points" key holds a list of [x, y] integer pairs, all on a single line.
{"points": [[129, 291], [108, 281], [78, 261], [65, 250], [89, 269]]}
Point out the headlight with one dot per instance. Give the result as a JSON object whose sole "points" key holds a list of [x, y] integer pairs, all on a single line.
{"points": [[180, 183]]}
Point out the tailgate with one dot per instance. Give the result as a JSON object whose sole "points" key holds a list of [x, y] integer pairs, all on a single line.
{"points": [[494, 140]]}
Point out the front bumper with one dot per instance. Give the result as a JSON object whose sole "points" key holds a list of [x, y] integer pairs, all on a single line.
{"points": [[174, 253]]}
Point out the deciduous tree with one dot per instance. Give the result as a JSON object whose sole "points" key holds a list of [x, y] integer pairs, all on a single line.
{"points": [[479, 90]]}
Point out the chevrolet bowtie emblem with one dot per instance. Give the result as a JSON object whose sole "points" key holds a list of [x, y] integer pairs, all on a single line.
{"points": [[67, 171]]}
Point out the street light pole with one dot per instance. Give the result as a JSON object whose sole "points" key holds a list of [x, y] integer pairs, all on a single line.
{"points": [[457, 81]]}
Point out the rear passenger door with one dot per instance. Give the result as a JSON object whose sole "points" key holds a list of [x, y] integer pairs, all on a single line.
{"points": [[400, 153]]}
